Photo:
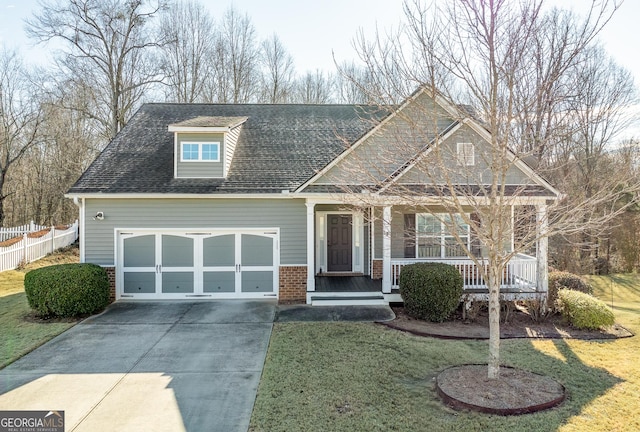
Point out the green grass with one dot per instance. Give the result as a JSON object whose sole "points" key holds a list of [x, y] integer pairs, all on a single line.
{"points": [[365, 377], [19, 332]]}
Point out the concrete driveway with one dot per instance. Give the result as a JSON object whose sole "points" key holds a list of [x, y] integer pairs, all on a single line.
{"points": [[149, 367]]}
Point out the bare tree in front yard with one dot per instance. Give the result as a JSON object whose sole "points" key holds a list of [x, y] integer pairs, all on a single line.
{"points": [[483, 55]]}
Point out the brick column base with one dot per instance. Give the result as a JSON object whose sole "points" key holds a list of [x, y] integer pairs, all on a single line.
{"points": [[376, 269], [111, 274], [293, 284]]}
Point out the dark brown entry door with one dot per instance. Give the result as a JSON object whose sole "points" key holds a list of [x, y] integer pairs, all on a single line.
{"points": [[339, 242]]}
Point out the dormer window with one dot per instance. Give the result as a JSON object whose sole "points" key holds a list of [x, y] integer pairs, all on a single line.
{"points": [[200, 152], [204, 146]]}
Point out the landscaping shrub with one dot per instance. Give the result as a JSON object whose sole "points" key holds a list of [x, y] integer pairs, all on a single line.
{"points": [[67, 289], [559, 280], [430, 291], [583, 310]]}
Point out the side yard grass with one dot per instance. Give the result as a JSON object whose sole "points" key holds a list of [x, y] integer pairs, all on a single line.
{"points": [[20, 333], [365, 377]]}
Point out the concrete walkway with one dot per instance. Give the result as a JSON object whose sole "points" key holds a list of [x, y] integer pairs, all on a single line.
{"points": [[165, 366]]}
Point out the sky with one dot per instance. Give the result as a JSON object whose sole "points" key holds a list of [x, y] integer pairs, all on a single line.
{"points": [[314, 31]]}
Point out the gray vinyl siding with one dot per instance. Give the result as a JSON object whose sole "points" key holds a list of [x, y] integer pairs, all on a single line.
{"points": [[397, 233], [428, 171], [200, 169], [231, 138], [377, 233], [288, 215], [389, 148]]}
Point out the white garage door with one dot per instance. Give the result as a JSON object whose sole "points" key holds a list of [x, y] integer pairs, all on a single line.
{"points": [[173, 264]]}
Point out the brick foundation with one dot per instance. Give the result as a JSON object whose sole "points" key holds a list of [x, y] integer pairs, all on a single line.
{"points": [[111, 274], [293, 284], [376, 269]]}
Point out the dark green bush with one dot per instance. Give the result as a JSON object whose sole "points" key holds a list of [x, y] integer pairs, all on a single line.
{"points": [[430, 291], [583, 310], [67, 290], [559, 280]]}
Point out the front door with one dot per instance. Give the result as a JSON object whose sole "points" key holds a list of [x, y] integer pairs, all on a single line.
{"points": [[339, 235]]}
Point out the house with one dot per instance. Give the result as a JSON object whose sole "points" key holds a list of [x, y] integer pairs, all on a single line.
{"points": [[291, 202]]}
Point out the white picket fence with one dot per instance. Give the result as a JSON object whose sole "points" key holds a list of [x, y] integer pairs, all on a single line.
{"points": [[29, 249], [11, 232]]}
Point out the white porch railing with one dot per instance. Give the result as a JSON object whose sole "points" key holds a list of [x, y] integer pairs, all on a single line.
{"points": [[520, 273], [31, 248]]}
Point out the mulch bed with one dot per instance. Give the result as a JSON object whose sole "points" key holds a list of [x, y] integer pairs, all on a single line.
{"points": [[516, 391], [519, 325]]}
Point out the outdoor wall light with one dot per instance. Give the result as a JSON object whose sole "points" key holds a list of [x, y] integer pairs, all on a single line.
{"points": [[99, 216]]}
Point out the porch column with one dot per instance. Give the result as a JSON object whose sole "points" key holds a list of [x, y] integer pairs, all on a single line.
{"points": [[543, 244], [311, 281], [386, 250]]}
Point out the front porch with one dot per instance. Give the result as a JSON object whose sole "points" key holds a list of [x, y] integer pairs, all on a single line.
{"points": [[378, 247], [518, 283]]}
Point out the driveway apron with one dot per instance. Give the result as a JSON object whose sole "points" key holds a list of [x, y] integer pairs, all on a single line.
{"points": [[162, 366]]}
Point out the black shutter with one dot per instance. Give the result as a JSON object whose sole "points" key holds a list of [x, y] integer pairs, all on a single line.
{"points": [[410, 235]]}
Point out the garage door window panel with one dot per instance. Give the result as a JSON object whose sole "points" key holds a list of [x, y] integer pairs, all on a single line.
{"points": [[177, 251], [257, 250], [139, 283], [140, 251], [219, 282], [219, 251]]}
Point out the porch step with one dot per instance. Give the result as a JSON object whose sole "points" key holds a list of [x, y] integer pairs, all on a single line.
{"points": [[360, 299]]}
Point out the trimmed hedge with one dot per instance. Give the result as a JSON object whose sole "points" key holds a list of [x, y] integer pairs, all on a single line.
{"points": [[583, 310], [67, 290], [559, 280], [430, 291]]}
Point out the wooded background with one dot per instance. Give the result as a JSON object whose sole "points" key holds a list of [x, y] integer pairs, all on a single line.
{"points": [[112, 56]]}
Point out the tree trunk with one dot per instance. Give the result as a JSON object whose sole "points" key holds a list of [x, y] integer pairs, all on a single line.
{"points": [[3, 176], [494, 321]]}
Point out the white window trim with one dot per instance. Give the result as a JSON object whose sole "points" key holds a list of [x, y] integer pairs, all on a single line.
{"points": [[466, 154], [357, 243], [199, 144], [442, 236]]}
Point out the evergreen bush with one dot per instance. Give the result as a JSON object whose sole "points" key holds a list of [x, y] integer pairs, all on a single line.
{"points": [[67, 290], [430, 291]]}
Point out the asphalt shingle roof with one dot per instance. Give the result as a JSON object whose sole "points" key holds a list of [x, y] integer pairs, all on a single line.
{"points": [[279, 147]]}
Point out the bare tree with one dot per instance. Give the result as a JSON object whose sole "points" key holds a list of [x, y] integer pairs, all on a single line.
{"points": [[108, 44], [236, 57], [351, 84], [603, 94], [314, 88], [479, 53], [187, 58], [278, 74], [20, 117]]}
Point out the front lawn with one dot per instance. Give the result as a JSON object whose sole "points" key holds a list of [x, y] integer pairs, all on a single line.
{"points": [[365, 377], [20, 333]]}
